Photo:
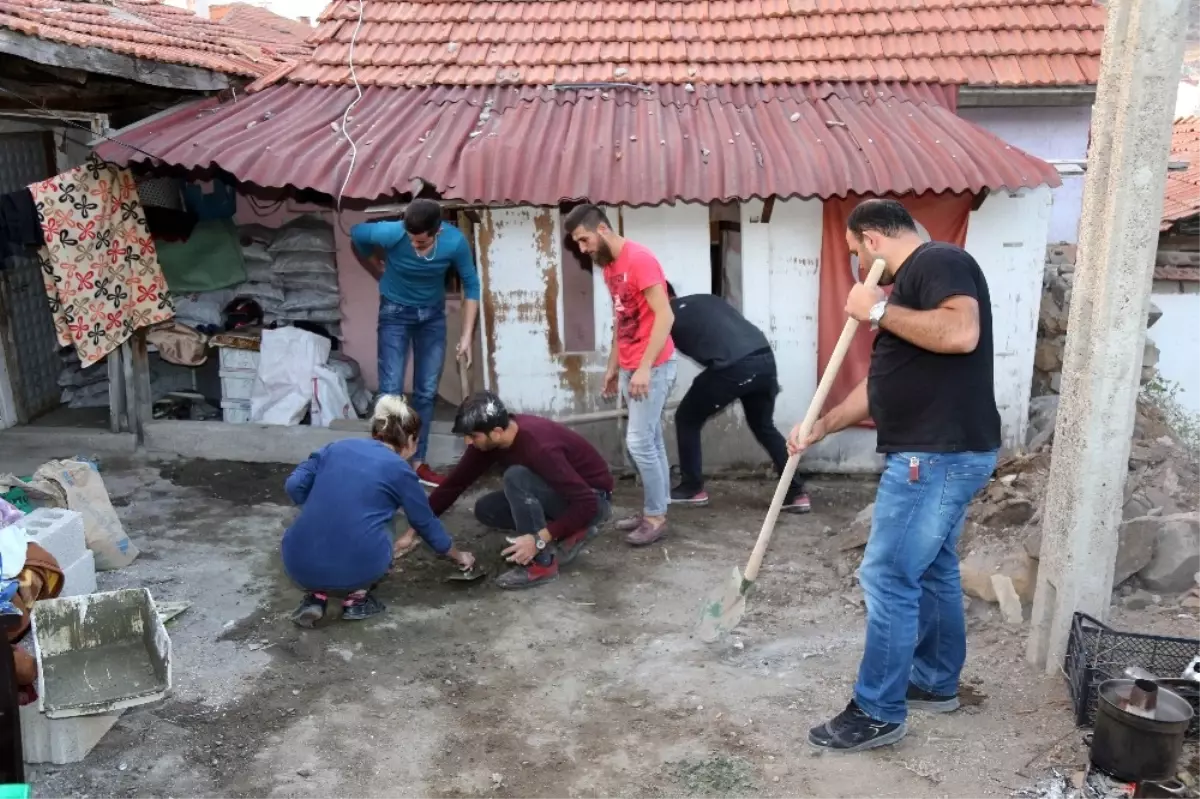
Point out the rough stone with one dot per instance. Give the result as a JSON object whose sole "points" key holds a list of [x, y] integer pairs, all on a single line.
{"points": [[998, 558], [1138, 600], [1136, 507], [1006, 595], [1175, 553], [1033, 543], [858, 532], [1048, 355], [1135, 546], [1043, 414], [1154, 316]]}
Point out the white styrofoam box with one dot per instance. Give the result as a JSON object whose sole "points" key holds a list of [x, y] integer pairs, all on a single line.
{"points": [[58, 531], [245, 360], [236, 385], [235, 411], [61, 741], [80, 577]]}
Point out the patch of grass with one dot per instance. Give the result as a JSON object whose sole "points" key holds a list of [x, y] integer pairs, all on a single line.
{"points": [[716, 776], [1164, 395]]}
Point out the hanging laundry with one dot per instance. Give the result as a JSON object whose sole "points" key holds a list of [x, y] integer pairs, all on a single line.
{"points": [[220, 203], [99, 265], [169, 224], [19, 226], [210, 259]]}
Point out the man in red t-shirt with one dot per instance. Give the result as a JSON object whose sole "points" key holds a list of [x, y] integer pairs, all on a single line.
{"points": [[642, 360]]}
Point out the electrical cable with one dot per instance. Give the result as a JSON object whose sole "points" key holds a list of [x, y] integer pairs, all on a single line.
{"points": [[349, 108]]}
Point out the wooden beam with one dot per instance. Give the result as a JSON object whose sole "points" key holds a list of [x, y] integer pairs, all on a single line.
{"points": [[117, 421], [106, 62], [140, 403]]}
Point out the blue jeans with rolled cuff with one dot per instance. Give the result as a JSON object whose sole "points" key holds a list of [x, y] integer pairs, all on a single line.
{"points": [[916, 630], [644, 435], [425, 330]]}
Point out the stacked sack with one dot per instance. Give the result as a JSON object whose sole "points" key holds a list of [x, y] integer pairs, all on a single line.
{"points": [[304, 266], [82, 388]]}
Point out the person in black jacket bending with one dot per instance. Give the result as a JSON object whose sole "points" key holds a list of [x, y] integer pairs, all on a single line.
{"points": [[738, 365]]}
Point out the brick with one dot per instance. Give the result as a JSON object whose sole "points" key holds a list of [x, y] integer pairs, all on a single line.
{"points": [[59, 532], [80, 576], [61, 741]]}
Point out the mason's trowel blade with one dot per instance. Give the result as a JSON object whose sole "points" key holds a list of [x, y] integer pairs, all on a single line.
{"points": [[467, 576]]}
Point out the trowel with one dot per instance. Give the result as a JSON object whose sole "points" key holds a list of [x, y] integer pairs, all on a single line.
{"points": [[469, 576]]}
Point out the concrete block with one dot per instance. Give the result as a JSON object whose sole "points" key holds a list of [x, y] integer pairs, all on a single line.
{"points": [[59, 532], [62, 741], [80, 577]]}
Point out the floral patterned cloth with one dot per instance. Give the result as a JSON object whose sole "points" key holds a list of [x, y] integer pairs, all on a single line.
{"points": [[99, 264]]}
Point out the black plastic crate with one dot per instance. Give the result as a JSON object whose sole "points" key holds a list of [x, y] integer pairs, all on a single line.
{"points": [[1096, 652]]}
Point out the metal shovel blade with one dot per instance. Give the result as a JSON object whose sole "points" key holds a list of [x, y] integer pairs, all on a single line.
{"points": [[723, 609]]}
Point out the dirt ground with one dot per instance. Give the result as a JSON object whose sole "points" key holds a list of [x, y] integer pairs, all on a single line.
{"points": [[593, 685]]}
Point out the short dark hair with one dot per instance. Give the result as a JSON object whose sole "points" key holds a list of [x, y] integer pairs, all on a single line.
{"points": [[589, 217], [671, 290], [482, 412], [883, 216], [422, 216]]}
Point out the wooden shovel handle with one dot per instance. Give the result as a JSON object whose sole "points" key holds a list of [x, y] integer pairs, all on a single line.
{"points": [[810, 418]]}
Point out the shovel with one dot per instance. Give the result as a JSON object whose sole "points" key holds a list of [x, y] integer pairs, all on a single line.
{"points": [[724, 608]]}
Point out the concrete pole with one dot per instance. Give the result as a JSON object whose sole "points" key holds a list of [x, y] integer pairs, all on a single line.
{"points": [[1106, 329]]}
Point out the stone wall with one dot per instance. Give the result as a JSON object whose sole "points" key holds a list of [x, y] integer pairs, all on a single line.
{"points": [[1052, 323]]}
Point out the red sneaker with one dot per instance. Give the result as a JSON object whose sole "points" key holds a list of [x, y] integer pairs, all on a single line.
{"points": [[798, 504], [528, 576], [570, 547], [428, 477]]}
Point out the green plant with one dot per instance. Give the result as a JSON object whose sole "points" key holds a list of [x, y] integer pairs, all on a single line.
{"points": [[1163, 395]]}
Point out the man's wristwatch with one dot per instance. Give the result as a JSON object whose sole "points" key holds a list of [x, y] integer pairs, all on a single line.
{"points": [[539, 542], [876, 314]]}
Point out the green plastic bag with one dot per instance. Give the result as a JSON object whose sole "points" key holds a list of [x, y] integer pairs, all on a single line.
{"points": [[15, 792]]}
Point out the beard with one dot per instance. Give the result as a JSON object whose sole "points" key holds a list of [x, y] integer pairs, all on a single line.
{"points": [[603, 254]]}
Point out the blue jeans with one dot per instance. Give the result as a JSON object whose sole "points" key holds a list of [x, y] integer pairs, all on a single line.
{"points": [[425, 330], [644, 436], [916, 631]]}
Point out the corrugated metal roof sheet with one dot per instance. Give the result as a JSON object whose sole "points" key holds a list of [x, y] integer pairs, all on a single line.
{"points": [[1183, 188], [638, 146]]}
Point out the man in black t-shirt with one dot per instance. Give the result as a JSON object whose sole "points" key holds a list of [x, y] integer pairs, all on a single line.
{"points": [[929, 392], [738, 366]]}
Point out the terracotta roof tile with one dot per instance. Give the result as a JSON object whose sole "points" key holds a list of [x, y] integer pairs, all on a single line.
{"points": [[985, 42], [1182, 198], [256, 21], [151, 30]]}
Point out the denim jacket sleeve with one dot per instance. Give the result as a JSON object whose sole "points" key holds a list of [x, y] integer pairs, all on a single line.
{"points": [[420, 516], [300, 482]]}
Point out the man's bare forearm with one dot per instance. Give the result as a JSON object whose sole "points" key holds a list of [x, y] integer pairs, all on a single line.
{"points": [[470, 314], [613, 355], [850, 411], [659, 334], [948, 331]]}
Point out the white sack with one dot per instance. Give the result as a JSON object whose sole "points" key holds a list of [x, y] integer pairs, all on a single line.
{"points": [[332, 398], [283, 386]]}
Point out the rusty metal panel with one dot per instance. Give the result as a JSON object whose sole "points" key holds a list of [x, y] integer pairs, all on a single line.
{"points": [[647, 146]]}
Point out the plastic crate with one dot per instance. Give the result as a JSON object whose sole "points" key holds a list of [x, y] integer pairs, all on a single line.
{"points": [[236, 385], [235, 411], [1096, 652], [232, 358]]}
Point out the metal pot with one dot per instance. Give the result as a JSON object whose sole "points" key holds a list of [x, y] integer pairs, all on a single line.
{"points": [[1133, 748]]}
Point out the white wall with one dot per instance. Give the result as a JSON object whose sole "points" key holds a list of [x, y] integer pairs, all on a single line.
{"points": [[780, 288], [1050, 133], [1187, 100], [1007, 236], [1175, 336]]}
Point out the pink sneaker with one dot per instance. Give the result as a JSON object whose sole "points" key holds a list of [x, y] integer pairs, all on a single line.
{"points": [[646, 534]]}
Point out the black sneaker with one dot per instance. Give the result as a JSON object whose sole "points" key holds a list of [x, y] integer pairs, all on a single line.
{"points": [[854, 731], [364, 608], [683, 495], [920, 699], [311, 611]]}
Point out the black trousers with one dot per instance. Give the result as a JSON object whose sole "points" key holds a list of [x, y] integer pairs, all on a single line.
{"points": [[753, 381], [527, 502]]}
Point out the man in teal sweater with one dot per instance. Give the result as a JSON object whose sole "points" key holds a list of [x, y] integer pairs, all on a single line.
{"points": [[410, 260]]}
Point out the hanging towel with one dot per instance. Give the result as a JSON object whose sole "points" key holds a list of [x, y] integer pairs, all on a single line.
{"points": [[99, 265], [210, 259], [19, 226], [220, 203]]}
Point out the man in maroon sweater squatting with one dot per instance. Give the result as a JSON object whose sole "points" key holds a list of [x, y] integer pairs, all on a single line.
{"points": [[557, 487]]}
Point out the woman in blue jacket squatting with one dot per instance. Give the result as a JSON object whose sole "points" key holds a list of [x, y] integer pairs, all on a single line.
{"points": [[349, 493]]}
